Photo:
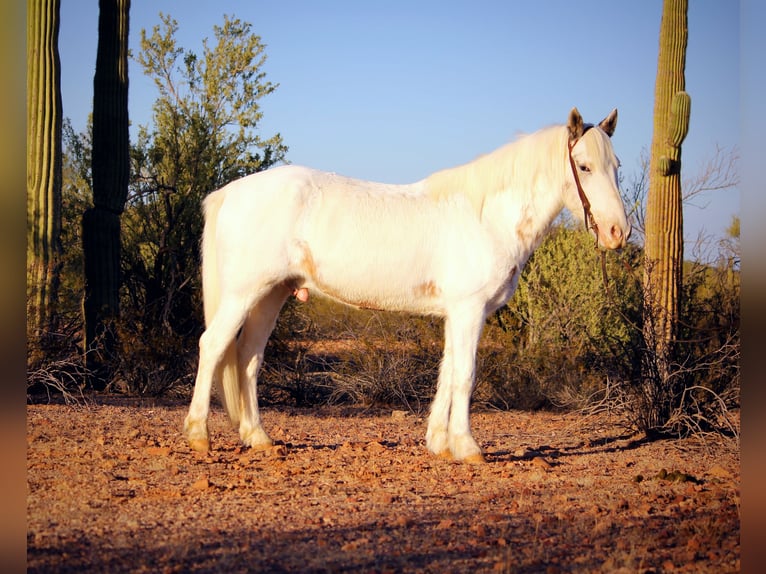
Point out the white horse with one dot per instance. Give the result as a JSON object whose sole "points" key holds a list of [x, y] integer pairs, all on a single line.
{"points": [[451, 245]]}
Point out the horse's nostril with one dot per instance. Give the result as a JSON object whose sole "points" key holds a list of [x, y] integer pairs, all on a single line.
{"points": [[616, 232]]}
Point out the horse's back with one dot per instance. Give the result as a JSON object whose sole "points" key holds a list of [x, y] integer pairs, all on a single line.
{"points": [[258, 186], [253, 200]]}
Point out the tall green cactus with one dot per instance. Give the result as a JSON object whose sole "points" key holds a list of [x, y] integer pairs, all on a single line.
{"points": [[677, 128], [664, 215], [44, 122], [110, 168]]}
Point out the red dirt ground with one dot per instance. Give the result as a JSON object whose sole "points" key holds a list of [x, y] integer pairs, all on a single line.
{"points": [[113, 487]]}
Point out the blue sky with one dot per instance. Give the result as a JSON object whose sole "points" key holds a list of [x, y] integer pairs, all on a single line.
{"points": [[392, 91]]}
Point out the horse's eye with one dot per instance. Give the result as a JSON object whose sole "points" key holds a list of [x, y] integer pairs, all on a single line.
{"points": [[584, 169]]}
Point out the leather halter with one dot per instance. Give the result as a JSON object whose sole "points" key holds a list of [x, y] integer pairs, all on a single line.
{"points": [[590, 221]]}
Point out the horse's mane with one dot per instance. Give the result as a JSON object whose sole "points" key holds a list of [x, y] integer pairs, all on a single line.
{"points": [[518, 164]]}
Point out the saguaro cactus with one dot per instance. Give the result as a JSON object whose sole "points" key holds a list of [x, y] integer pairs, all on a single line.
{"points": [[664, 215], [101, 223], [677, 128], [43, 163]]}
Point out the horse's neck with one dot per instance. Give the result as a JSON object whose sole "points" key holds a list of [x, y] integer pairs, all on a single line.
{"points": [[522, 164], [532, 196], [520, 221]]}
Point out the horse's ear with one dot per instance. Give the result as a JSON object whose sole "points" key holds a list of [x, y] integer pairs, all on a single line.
{"points": [[575, 125], [609, 123]]}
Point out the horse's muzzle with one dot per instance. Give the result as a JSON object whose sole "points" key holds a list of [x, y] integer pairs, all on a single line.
{"points": [[615, 238]]}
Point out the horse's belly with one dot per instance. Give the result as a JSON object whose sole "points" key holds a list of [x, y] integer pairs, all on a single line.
{"points": [[368, 279], [399, 254], [389, 287]]}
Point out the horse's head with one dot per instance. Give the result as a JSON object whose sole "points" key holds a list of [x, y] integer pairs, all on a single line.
{"points": [[594, 192]]}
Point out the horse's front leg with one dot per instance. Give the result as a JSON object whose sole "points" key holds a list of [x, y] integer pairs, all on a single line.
{"points": [[449, 423], [437, 435]]}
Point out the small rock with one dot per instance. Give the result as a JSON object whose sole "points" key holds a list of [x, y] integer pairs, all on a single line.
{"points": [[399, 415], [375, 446], [719, 472], [540, 462], [354, 544], [158, 450], [279, 450]]}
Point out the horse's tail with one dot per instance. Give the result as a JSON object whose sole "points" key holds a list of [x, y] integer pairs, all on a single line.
{"points": [[227, 373]]}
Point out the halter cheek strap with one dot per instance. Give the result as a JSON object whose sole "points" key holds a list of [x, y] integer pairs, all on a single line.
{"points": [[590, 221]]}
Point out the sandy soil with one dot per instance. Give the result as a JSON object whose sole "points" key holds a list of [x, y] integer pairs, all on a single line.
{"points": [[112, 487]]}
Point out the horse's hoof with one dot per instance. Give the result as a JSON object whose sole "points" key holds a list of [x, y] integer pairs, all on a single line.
{"points": [[199, 444], [446, 454], [477, 458], [256, 439], [261, 446]]}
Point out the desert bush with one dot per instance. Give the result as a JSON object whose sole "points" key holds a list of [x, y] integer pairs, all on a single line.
{"points": [[204, 134], [566, 330], [703, 383], [327, 352], [152, 362], [59, 372]]}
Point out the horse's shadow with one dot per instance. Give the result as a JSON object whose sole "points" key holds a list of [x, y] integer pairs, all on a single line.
{"points": [[552, 455]]}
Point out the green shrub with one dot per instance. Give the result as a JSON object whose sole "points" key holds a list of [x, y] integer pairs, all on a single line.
{"points": [[567, 332]]}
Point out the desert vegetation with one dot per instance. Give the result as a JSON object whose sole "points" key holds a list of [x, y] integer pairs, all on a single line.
{"points": [[567, 340], [578, 375], [574, 336]]}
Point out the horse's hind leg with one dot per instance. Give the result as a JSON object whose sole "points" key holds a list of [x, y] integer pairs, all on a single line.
{"points": [[212, 346], [252, 342]]}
